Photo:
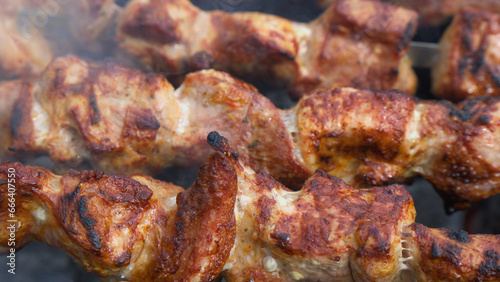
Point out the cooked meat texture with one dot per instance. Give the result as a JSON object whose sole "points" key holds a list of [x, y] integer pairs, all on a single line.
{"points": [[469, 64], [124, 121], [32, 32], [435, 12], [238, 222], [354, 43]]}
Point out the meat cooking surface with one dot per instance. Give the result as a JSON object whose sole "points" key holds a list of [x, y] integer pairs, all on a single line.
{"points": [[121, 120], [242, 223], [469, 64], [435, 12], [353, 43]]}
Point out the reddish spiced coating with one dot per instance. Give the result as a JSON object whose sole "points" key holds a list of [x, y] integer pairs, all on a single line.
{"points": [[240, 223], [469, 64], [125, 121], [353, 43], [135, 228]]}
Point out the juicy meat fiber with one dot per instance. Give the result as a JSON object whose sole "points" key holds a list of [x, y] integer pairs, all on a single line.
{"points": [[354, 43], [241, 223], [469, 64], [124, 121]]}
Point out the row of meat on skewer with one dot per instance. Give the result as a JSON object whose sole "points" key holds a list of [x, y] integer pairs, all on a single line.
{"points": [[179, 79]]}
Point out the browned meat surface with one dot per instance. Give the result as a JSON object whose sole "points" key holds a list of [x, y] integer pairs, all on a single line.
{"points": [[354, 43], [238, 222], [435, 12], [124, 121], [469, 64]]}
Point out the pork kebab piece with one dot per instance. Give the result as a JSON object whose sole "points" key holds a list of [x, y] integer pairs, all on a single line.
{"points": [[435, 12], [238, 222], [124, 121], [469, 64], [353, 43]]}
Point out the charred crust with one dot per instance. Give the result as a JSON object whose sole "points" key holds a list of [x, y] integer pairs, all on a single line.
{"points": [[94, 109], [95, 240], [147, 121], [235, 155], [461, 236], [216, 140], [490, 266], [484, 119], [87, 222], [435, 250], [282, 240], [265, 205], [407, 36]]}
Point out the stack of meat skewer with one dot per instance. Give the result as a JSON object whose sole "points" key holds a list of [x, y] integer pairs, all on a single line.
{"points": [[125, 119]]}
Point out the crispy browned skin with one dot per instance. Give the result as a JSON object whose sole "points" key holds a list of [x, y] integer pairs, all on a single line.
{"points": [[354, 43], [124, 121], [242, 223], [435, 12], [469, 64]]}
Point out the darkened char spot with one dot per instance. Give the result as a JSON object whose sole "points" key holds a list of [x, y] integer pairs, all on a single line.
{"points": [[484, 119], [408, 34], [214, 139], [96, 116], [460, 236], [496, 78], [147, 121], [435, 251], [71, 196], [87, 222], [16, 121], [235, 155], [490, 265], [282, 239], [94, 239]]}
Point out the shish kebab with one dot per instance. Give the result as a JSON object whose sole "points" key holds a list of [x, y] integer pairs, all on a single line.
{"points": [[353, 43], [238, 222], [124, 121], [435, 12]]}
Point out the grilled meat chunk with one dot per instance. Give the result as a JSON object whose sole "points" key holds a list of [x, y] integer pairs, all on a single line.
{"points": [[238, 222], [435, 12], [354, 43], [124, 121], [469, 64]]}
